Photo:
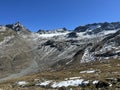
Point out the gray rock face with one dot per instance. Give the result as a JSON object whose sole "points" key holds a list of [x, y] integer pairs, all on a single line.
{"points": [[72, 35], [15, 54]]}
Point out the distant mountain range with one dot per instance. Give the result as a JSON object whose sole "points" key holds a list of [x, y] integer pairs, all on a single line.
{"points": [[23, 52]]}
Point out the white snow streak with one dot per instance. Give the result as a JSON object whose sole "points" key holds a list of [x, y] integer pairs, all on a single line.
{"points": [[88, 71], [67, 83], [45, 83]]}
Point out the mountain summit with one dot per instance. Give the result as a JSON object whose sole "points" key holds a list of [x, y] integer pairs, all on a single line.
{"points": [[18, 27]]}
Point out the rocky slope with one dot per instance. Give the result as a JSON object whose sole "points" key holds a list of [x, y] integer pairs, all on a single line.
{"points": [[15, 50], [23, 52]]}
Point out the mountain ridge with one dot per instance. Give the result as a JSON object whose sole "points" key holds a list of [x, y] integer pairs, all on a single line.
{"points": [[61, 47]]}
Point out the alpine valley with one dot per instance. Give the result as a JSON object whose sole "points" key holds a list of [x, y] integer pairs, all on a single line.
{"points": [[86, 58]]}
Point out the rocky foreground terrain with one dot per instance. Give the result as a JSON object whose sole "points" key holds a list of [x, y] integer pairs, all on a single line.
{"points": [[86, 58]]}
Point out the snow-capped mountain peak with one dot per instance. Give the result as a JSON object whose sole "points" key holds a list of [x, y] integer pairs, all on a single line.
{"points": [[55, 48]]}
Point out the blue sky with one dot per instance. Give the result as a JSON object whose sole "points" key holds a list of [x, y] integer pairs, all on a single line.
{"points": [[52, 14]]}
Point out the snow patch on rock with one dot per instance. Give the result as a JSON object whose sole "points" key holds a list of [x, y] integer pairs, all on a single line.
{"points": [[67, 83], [45, 83], [87, 56], [88, 71], [22, 83], [95, 82]]}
